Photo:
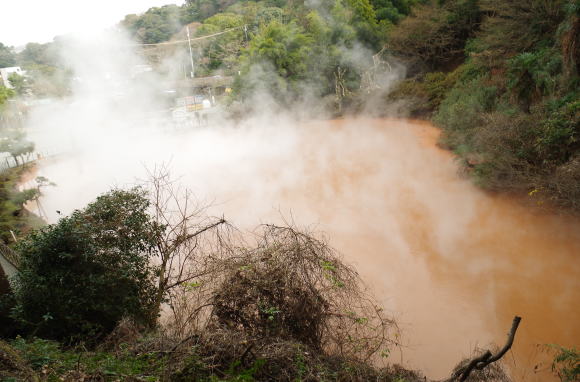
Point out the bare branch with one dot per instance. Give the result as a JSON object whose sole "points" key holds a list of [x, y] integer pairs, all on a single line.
{"points": [[485, 359]]}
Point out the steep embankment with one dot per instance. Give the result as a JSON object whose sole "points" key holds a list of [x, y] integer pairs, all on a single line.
{"points": [[501, 80]]}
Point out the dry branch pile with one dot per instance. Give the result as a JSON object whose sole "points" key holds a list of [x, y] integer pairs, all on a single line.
{"points": [[293, 286], [286, 291]]}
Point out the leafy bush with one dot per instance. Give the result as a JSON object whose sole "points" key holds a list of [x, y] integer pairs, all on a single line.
{"points": [[534, 74], [79, 277], [461, 110], [558, 135]]}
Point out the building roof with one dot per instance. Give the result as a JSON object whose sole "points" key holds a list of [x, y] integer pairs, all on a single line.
{"points": [[11, 69]]}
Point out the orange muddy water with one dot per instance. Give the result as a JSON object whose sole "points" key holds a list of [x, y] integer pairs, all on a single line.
{"points": [[452, 263]]}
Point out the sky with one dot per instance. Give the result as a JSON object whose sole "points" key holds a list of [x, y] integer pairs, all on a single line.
{"points": [[41, 20]]}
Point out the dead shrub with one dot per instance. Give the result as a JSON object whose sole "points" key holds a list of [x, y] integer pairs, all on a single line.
{"points": [[506, 145], [227, 353], [563, 184], [286, 286], [126, 332], [293, 286]]}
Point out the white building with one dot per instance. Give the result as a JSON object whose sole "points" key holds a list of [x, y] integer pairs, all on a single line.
{"points": [[7, 72]]}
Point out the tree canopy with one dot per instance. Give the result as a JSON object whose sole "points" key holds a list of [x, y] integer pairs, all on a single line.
{"points": [[156, 25], [7, 56]]}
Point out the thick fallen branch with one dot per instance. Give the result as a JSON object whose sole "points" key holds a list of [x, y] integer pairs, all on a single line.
{"points": [[480, 362]]}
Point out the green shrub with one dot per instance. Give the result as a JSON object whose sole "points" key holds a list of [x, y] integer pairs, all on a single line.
{"points": [[534, 74], [462, 109], [558, 135], [79, 277], [439, 84]]}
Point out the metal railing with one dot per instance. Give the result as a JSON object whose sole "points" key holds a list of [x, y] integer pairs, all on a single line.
{"points": [[10, 255]]}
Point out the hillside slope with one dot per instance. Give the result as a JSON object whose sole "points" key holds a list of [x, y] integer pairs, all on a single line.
{"points": [[501, 80]]}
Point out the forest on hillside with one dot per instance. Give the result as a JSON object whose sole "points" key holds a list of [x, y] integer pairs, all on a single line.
{"points": [[499, 77], [501, 80]]}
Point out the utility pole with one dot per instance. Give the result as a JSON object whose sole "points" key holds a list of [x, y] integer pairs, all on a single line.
{"points": [[190, 52]]}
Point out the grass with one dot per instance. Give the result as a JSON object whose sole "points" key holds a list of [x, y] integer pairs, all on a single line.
{"points": [[54, 362]]}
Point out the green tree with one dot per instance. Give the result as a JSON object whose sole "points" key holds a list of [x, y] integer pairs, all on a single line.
{"points": [[7, 56], [199, 10], [285, 49], [80, 276], [40, 54], [335, 40], [222, 51], [156, 25], [364, 20]]}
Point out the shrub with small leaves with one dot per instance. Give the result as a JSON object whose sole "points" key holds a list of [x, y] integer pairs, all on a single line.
{"points": [[80, 276]]}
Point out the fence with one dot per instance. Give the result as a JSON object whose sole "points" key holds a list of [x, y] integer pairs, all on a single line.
{"points": [[8, 260], [8, 162]]}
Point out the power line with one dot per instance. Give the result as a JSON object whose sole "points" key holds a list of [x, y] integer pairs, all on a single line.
{"points": [[193, 39]]}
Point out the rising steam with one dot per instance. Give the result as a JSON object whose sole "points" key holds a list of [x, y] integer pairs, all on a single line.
{"points": [[385, 195]]}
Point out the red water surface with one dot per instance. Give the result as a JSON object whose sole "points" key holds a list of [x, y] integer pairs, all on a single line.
{"points": [[453, 264]]}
